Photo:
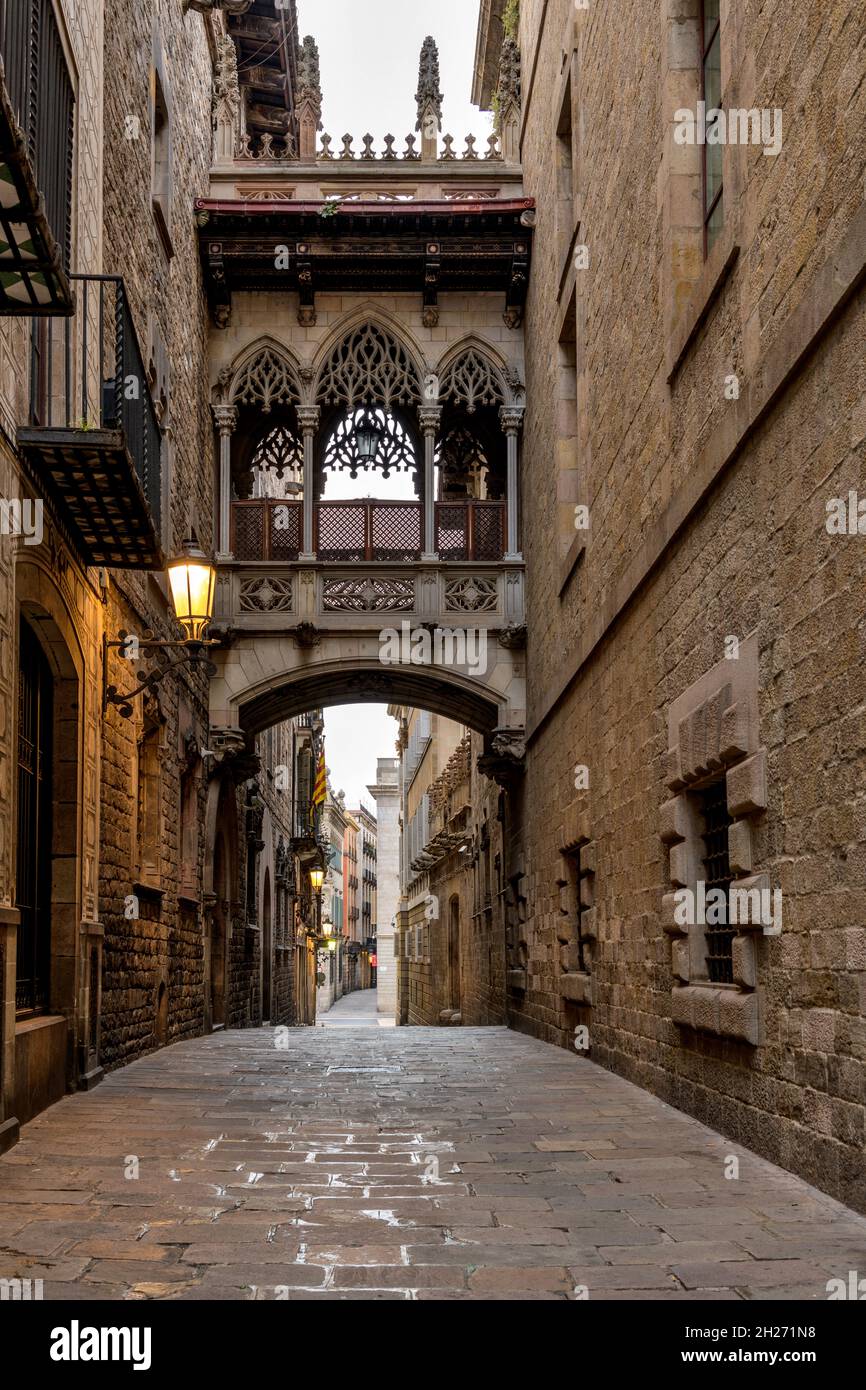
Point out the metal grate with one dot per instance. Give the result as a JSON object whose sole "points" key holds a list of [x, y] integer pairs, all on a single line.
{"points": [[396, 532], [717, 874], [452, 531], [488, 528], [341, 531]]}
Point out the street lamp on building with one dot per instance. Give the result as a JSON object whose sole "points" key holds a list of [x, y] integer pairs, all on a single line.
{"points": [[317, 878], [192, 582]]}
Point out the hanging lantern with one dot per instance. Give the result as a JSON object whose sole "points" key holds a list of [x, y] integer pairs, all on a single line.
{"points": [[368, 437]]}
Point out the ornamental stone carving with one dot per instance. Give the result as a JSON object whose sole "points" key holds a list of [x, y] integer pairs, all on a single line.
{"points": [[265, 380], [471, 380], [368, 367]]}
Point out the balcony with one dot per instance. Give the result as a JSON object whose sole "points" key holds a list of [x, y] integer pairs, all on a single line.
{"points": [[93, 437], [307, 838], [352, 532], [37, 120]]}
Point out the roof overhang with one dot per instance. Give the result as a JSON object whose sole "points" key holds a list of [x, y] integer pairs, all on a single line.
{"points": [[367, 247], [488, 48]]}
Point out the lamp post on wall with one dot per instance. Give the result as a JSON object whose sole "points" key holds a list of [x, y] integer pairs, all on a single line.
{"points": [[192, 582], [317, 878]]}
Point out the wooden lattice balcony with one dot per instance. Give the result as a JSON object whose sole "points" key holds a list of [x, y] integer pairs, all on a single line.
{"points": [[387, 532]]}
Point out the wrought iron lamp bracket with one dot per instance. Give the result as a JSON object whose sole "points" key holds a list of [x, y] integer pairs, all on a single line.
{"points": [[189, 654]]}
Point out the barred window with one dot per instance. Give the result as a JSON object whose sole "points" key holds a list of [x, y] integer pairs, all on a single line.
{"points": [[717, 875], [711, 95]]}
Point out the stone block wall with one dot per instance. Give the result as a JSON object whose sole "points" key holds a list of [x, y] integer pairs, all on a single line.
{"points": [[153, 989], [707, 413]]}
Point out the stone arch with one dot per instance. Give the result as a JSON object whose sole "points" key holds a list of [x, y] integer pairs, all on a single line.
{"points": [[265, 372], [350, 681], [473, 373], [75, 959], [408, 360]]}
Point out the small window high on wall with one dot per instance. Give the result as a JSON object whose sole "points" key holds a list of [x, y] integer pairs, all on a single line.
{"points": [[711, 95]]}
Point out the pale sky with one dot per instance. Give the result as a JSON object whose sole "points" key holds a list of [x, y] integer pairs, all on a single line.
{"points": [[369, 51], [355, 736]]}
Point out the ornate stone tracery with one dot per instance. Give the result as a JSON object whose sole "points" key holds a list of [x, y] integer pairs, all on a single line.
{"points": [[368, 367], [278, 463], [265, 380], [394, 450], [471, 380]]}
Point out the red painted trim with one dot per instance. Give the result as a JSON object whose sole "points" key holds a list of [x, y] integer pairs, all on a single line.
{"points": [[454, 209]]}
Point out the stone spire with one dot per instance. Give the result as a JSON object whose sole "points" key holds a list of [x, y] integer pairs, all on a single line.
{"points": [[226, 100], [309, 102], [429, 99], [508, 101]]}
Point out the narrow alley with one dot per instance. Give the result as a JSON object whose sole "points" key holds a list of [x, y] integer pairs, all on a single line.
{"points": [[414, 1163]]}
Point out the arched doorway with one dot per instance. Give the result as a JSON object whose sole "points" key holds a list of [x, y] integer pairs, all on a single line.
{"points": [[57, 966], [33, 995], [220, 918]]}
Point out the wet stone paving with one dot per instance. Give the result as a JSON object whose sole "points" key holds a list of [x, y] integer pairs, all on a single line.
{"points": [[410, 1163]]}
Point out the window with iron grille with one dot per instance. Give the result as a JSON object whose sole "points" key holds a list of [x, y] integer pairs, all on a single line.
{"points": [[578, 954], [43, 101], [711, 94], [717, 875]]}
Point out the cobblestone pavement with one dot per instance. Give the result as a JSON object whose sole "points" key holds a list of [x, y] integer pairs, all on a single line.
{"points": [[407, 1164]]}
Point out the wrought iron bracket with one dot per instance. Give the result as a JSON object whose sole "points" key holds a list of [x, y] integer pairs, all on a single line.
{"points": [[188, 654]]}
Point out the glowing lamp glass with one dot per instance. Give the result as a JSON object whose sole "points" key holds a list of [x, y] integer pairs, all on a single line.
{"points": [[192, 579]]}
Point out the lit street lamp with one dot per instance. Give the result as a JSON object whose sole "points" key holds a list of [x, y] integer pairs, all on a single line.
{"points": [[192, 581], [317, 878]]}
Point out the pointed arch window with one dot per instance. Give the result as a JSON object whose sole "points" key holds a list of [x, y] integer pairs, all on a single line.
{"points": [[366, 439], [277, 464], [368, 367]]}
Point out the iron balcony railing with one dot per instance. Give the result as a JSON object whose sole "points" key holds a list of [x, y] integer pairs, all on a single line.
{"points": [[42, 99], [349, 532], [88, 373]]}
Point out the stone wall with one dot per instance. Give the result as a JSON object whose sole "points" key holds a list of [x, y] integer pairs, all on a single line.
{"points": [[452, 937], [158, 951], [706, 414], [46, 581]]}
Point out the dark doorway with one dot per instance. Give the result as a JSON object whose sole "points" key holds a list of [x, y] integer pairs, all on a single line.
{"points": [[34, 866], [219, 929], [454, 953], [267, 949]]}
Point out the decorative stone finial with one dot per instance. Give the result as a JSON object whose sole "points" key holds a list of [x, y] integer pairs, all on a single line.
{"points": [[309, 100], [429, 99], [508, 100], [226, 100]]}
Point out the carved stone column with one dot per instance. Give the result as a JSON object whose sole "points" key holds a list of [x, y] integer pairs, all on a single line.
{"points": [[226, 417], [512, 422], [429, 417], [308, 419]]}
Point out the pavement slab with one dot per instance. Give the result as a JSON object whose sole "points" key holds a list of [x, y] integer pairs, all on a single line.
{"points": [[400, 1164]]}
